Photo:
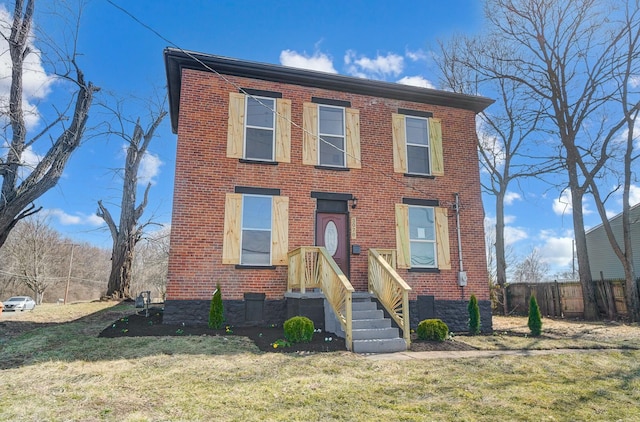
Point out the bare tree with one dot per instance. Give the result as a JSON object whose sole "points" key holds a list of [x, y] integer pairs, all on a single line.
{"points": [[129, 230], [38, 258], [22, 186], [474, 65], [566, 55], [151, 262], [531, 269], [630, 108], [35, 256]]}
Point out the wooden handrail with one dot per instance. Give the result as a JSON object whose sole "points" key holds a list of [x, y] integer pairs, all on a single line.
{"points": [[390, 289], [313, 267]]}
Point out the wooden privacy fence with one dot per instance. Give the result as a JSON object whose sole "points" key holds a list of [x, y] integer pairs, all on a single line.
{"points": [[564, 299]]}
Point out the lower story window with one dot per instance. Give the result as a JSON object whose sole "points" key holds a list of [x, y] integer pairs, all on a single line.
{"points": [[422, 237], [256, 230]]}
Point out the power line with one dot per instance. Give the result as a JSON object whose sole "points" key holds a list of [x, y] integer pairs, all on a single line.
{"points": [[240, 89]]}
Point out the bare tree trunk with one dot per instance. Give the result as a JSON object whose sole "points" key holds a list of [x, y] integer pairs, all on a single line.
{"points": [[120, 276], [501, 260], [17, 195], [128, 232], [584, 271]]}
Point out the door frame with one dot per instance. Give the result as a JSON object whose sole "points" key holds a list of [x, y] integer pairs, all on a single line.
{"points": [[334, 203]]}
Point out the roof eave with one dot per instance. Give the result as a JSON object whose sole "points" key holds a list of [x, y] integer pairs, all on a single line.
{"points": [[176, 60]]}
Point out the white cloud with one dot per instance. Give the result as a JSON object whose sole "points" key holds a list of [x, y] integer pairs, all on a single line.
{"points": [[508, 219], [511, 197], [634, 81], [36, 83], [149, 168], [318, 61], [512, 234], [416, 81], [556, 250], [74, 220], [415, 56], [379, 67], [30, 159], [563, 206], [490, 144]]}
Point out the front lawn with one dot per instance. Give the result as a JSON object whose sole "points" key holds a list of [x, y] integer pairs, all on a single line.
{"points": [[63, 371]]}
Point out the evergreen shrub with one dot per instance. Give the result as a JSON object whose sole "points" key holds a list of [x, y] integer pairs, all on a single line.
{"points": [[535, 319], [298, 329], [474, 315], [432, 330], [216, 311]]}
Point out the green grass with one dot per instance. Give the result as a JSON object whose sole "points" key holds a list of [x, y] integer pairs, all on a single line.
{"points": [[64, 372]]}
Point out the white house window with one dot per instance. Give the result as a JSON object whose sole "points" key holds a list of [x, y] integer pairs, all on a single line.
{"points": [[259, 128], [422, 237], [417, 135], [332, 136], [256, 230]]}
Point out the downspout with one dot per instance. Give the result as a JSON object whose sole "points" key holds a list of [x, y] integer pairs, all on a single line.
{"points": [[462, 275]]}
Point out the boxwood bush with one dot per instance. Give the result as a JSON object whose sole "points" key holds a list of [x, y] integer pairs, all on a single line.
{"points": [[298, 329], [432, 330]]}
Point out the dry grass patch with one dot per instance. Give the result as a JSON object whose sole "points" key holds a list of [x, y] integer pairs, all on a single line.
{"points": [[64, 372]]}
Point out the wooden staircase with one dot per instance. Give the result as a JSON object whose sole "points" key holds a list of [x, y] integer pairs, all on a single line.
{"points": [[372, 332]]}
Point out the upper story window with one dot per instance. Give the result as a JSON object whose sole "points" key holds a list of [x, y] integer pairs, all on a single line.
{"points": [[331, 134], [259, 127], [259, 140], [331, 150], [418, 157], [417, 144]]}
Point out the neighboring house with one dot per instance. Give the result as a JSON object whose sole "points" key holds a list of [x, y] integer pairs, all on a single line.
{"points": [[602, 259], [274, 162]]}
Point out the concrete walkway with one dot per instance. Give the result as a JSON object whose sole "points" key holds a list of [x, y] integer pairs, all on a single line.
{"points": [[480, 354]]}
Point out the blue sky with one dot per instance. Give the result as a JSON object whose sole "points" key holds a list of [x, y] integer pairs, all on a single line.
{"points": [[385, 40]]}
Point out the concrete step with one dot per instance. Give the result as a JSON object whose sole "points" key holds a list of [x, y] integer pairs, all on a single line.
{"points": [[375, 333], [370, 314], [379, 345], [364, 306], [361, 324]]}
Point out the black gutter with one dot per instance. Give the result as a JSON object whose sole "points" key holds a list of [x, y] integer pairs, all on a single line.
{"points": [[176, 60]]}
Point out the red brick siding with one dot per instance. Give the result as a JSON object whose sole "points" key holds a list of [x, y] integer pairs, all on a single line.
{"points": [[204, 175]]}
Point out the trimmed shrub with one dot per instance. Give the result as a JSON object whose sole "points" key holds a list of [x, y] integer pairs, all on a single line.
{"points": [[298, 329], [432, 330], [535, 320], [216, 311], [474, 315]]}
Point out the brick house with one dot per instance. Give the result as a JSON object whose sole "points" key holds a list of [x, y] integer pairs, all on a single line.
{"points": [[301, 191]]}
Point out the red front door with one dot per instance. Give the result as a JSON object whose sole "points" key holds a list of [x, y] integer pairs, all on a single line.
{"points": [[331, 232]]}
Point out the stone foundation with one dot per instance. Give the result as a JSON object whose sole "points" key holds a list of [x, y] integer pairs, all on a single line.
{"points": [[256, 311]]}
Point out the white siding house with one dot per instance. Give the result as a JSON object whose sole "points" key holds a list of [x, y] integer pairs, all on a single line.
{"points": [[601, 255]]}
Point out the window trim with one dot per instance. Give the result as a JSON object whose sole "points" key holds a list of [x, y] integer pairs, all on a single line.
{"points": [[259, 98], [433, 242], [343, 136], [407, 144]]}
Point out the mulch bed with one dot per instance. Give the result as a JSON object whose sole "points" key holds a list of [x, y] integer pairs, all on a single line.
{"points": [[139, 325]]}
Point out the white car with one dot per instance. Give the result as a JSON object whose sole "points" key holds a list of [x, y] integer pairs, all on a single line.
{"points": [[19, 303]]}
